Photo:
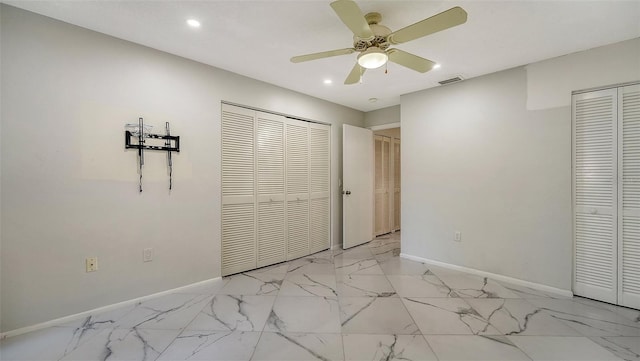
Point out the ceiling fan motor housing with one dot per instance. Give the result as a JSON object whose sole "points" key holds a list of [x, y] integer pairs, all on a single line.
{"points": [[380, 33]]}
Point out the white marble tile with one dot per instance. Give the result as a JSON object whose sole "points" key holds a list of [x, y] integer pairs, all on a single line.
{"points": [[527, 292], [375, 315], [278, 346], [309, 285], [280, 268], [471, 286], [519, 317], [588, 320], [365, 286], [401, 266], [311, 265], [359, 347], [626, 348], [100, 320], [386, 250], [259, 284], [367, 266], [548, 348], [326, 255], [212, 345], [628, 313], [427, 285], [480, 348], [48, 344], [304, 314], [355, 253], [124, 344], [234, 313], [172, 311], [447, 316], [208, 288], [442, 271]]}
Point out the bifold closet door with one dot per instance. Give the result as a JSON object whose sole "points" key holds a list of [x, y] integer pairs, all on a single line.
{"points": [[396, 184], [271, 237], [381, 156], [297, 188], [238, 190], [320, 209], [595, 194], [629, 196]]}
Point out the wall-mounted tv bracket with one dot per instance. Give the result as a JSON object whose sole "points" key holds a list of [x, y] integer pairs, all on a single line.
{"points": [[171, 144]]}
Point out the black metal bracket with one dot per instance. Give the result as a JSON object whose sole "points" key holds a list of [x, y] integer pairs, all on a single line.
{"points": [[171, 144], [173, 147]]}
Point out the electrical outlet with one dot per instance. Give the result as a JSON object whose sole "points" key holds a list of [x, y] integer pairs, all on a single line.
{"points": [[457, 236], [147, 255], [92, 264]]}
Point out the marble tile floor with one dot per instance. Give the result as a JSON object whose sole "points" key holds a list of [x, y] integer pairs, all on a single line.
{"points": [[364, 303]]}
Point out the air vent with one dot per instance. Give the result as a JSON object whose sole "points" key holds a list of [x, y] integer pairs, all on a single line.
{"points": [[451, 80]]}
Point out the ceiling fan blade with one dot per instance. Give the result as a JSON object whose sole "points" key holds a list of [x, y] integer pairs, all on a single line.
{"points": [[410, 61], [446, 19], [354, 76], [324, 54], [351, 15]]}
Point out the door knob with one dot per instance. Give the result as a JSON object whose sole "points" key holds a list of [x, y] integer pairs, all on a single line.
{"points": [[346, 192]]}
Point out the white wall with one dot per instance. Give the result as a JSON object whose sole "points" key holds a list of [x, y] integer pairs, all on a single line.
{"points": [[69, 189], [550, 82], [382, 116], [477, 159]]}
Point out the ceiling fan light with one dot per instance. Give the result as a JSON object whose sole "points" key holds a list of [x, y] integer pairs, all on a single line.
{"points": [[372, 58]]}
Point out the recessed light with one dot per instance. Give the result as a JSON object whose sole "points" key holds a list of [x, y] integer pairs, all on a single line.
{"points": [[437, 66], [193, 23], [328, 81], [373, 100]]}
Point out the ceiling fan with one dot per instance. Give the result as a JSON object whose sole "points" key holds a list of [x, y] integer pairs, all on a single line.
{"points": [[373, 40]]}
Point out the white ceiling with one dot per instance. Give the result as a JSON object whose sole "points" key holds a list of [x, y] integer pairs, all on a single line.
{"points": [[257, 38]]}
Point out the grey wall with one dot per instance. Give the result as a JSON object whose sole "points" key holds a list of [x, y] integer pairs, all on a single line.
{"points": [[69, 189], [382, 116], [476, 158]]}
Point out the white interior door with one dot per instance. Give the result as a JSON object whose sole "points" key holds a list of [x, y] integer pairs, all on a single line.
{"points": [[297, 188], [320, 170], [357, 194], [271, 236], [595, 195], [629, 196], [238, 190]]}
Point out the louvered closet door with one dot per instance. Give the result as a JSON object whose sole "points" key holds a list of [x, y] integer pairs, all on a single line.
{"points": [[381, 149], [396, 184], [320, 207], [297, 188], [238, 190], [595, 195], [271, 237], [629, 200]]}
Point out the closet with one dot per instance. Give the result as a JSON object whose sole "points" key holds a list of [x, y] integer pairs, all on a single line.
{"points": [[606, 194], [275, 188], [387, 181], [381, 157]]}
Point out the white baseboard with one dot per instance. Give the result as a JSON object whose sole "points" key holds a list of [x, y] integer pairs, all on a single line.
{"points": [[66, 319], [497, 277]]}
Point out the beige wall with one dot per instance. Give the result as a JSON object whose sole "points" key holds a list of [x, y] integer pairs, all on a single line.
{"points": [[69, 188]]}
